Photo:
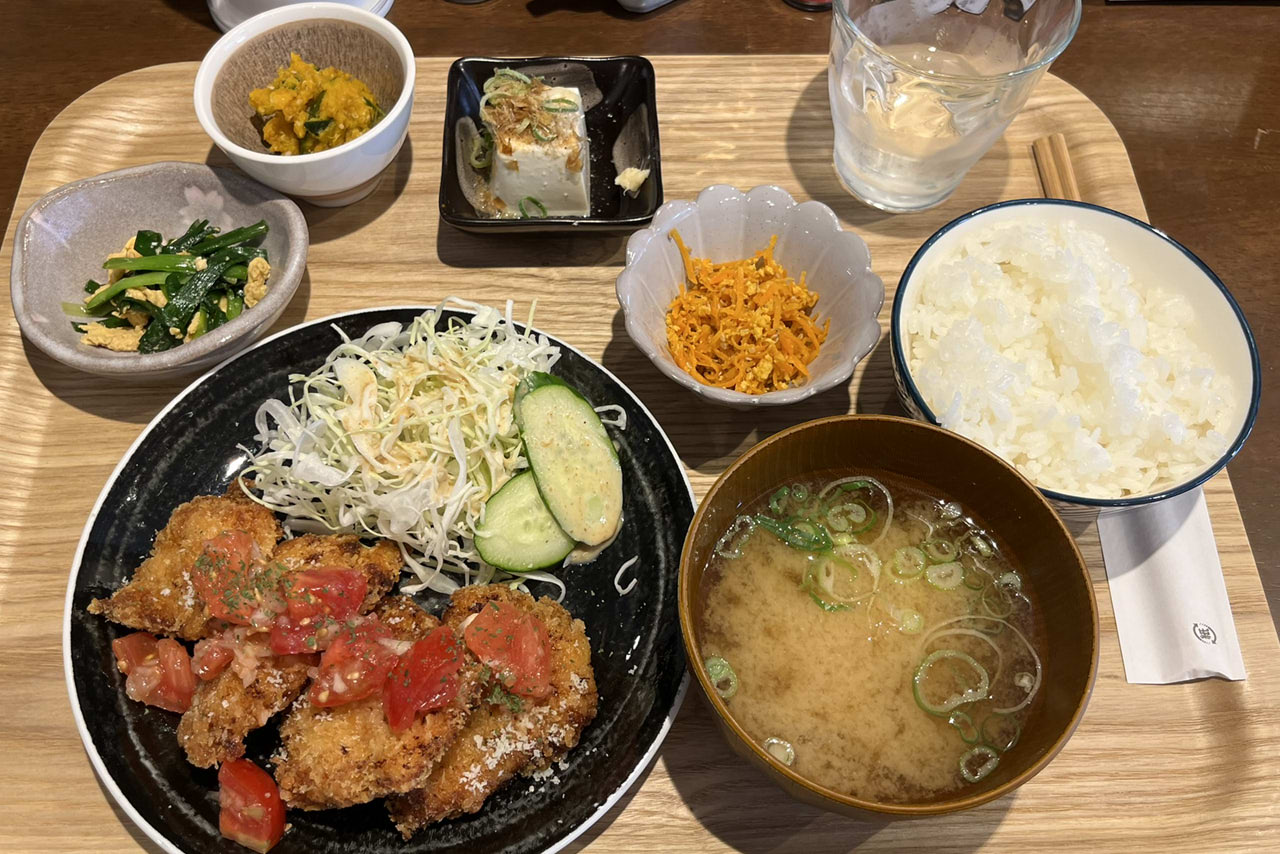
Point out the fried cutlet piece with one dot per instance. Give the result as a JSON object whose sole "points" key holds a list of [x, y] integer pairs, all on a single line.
{"points": [[160, 597], [337, 757], [224, 710], [380, 564], [500, 742]]}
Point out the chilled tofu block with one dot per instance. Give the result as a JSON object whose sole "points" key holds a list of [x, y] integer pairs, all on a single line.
{"points": [[549, 172]]}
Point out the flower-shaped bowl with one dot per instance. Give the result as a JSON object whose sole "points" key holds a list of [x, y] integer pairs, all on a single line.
{"points": [[724, 224]]}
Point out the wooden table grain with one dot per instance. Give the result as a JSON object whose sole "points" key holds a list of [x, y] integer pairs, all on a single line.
{"points": [[1194, 91], [1151, 769]]}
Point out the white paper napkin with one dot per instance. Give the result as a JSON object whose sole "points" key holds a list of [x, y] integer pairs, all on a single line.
{"points": [[1167, 592]]}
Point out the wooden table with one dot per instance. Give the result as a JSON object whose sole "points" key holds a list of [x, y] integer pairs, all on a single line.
{"points": [[1214, 203], [1194, 91], [1165, 742]]}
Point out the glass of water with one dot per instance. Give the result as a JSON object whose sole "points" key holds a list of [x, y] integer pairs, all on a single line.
{"points": [[920, 89]]}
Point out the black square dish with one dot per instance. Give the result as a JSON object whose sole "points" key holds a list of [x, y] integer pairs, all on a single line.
{"points": [[622, 128]]}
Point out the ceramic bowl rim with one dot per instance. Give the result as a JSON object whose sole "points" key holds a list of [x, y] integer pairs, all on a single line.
{"points": [[841, 373], [286, 279], [235, 39], [1255, 396], [955, 804]]}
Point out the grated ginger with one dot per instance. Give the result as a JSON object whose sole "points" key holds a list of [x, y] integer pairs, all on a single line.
{"points": [[745, 324]]}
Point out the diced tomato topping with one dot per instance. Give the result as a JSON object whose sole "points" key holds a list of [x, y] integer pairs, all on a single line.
{"points": [[235, 585], [210, 657], [515, 645], [355, 665], [318, 601], [424, 679], [158, 672], [251, 810]]}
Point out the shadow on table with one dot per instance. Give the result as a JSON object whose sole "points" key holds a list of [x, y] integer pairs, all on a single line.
{"points": [[459, 248], [747, 812], [811, 141], [325, 224], [140, 838], [195, 10], [705, 434], [135, 401]]}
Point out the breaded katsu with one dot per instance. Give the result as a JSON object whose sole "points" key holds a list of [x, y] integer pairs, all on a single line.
{"points": [[224, 710], [337, 757], [380, 564], [160, 597], [500, 742]]}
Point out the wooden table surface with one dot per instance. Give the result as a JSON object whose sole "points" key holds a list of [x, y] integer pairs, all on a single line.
{"points": [[1168, 744], [1194, 91]]}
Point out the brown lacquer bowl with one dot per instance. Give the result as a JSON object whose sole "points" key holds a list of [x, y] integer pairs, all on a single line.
{"points": [[1006, 503]]}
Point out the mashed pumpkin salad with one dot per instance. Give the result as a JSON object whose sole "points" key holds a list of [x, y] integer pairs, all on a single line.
{"points": [[160, 294], [307, 109]]}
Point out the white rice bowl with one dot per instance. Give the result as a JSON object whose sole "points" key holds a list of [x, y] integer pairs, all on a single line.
{"points": [[1028, 335]]}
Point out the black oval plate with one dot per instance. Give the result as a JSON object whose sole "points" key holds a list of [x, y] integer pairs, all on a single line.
{"points": [[193, 448]]}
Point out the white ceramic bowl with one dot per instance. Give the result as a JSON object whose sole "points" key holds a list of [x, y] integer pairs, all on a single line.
{"points": [[724, 224], [1153, 257], [320, 32]]}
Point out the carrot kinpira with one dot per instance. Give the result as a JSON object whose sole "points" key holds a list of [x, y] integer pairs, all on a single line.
{"points": [[743, 324]]}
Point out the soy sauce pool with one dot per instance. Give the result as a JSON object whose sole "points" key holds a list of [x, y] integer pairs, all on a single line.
{"points": [[871, 634]]}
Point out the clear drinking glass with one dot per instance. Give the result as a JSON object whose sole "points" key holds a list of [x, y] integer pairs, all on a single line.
{"points": [[920, 89]]}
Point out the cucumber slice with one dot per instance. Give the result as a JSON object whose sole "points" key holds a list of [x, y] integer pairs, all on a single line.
{"points": [[519, 533], [572, 458]]}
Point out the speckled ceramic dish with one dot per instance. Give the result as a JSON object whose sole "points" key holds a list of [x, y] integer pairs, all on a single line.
{"points": [[1008, 507], [62, 240], [193, 447], [724, 224]]}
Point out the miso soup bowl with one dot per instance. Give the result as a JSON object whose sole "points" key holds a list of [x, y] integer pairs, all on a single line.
{"points": [[1007, 504]]}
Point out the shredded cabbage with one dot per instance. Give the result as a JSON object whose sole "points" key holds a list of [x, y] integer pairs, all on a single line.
{"points": [[404, 433]]}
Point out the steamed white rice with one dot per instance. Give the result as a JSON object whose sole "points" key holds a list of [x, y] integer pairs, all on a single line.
{"points": [[1033, 341]]}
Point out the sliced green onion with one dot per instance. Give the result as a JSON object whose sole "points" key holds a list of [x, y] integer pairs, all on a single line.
{"points": [[1003, 604], [989, 760], [1004, 738], [778, 501], [513, 74], [801, 534], [939, 551], [853, 516], [830, 607], [945, 576], [481, 153], [780, 750], [730, 545], [1010, 581], [841, 539], [542, 209], [975, 575], [723, 679], [865, 556], [542, 134], [969, 695], [800, 492], [980, 543], [908, 563], [965, 726], [560, 105], [909, 622]]}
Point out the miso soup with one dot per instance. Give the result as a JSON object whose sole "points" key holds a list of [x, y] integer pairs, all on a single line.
{"points": [[872, 635]]}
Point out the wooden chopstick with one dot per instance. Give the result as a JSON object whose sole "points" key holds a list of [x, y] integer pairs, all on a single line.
{"points": [[1053, 162]]}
